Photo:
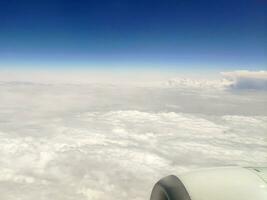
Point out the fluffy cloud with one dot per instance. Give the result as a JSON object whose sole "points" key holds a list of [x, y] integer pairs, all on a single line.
{"points": [[91, 141], [238, 80], [256, 80], [199, 83]]}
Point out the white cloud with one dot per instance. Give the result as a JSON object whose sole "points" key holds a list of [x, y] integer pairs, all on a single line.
{"points": [[238, 80], [89, 141], [256, 80], [199, 83]]}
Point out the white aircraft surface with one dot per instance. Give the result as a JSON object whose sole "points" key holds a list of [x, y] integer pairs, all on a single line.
{"points": [[227, 183]]}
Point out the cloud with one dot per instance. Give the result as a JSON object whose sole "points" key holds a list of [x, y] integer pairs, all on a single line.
{"points": [[198, 83], [255, 80], [120, 154], [109, 141], [237, 80]]}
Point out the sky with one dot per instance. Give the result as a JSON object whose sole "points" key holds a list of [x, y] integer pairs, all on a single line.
{"points": [[119, 34]]}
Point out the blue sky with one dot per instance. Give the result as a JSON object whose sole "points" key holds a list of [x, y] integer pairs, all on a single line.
{"points": [[177, 34]]}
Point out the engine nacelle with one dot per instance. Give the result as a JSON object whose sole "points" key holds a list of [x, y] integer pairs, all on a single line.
{"points": [[227, 183]]}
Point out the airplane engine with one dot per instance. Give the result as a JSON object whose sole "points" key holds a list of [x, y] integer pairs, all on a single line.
{"points": [[227, 183]]}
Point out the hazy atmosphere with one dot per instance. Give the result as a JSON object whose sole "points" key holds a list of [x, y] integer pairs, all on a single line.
{"points": [[92, 140]]}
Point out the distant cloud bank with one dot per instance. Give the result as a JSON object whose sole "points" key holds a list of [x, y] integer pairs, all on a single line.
{"points": [[256, 80], [240, 80], [199, 83], [233, 80]]}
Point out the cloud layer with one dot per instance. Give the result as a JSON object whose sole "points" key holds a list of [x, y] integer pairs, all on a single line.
{"points": [[109, 141]]}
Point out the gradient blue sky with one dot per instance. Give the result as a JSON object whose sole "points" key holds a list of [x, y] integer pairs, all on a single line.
{"points": [[178, 34]]}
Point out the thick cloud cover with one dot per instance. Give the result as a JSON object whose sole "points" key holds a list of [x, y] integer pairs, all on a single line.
{"points": [[111, 141]]}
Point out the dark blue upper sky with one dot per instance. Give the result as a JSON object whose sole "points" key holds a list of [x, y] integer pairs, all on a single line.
{"points": [[193, 34]]}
